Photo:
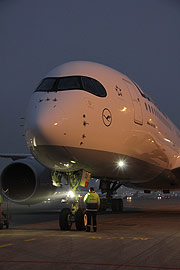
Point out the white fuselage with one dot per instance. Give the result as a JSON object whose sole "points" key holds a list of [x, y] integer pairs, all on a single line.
{"points": [[73, 129]]}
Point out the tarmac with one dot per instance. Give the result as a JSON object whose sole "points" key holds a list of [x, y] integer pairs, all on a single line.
{"points": [[145, 236]]}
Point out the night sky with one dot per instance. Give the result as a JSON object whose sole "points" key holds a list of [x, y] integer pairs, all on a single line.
{"points": [[140, 38]]}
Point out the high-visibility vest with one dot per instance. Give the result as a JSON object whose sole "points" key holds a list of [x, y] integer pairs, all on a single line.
{"points": [[92, 201], [1, 199]]}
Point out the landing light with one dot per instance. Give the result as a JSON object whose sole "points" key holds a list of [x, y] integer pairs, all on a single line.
{"points": [[71, 194], [121, 164], [66, 165]]}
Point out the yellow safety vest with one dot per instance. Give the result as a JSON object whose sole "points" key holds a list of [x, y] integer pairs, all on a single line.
{"points": [[92, 201], [0, 199]]}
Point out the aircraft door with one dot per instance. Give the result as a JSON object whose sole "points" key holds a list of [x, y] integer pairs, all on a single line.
{"points": [[138, 118]]}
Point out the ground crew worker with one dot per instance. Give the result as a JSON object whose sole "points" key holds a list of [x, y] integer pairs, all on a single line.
{"points": [[92, 206]]}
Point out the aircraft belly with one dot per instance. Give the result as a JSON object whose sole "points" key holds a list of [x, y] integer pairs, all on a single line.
{"points": [[100, 164], [105, 164]]}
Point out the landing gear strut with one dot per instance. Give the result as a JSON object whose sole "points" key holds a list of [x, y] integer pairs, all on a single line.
{"points": [[110, 188]]}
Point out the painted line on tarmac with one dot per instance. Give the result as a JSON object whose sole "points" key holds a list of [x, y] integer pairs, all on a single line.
{"points": [[6, 245], [29, 240], [85, 236], [120, 238], [92, 264], [19, 234], [105, 237]]}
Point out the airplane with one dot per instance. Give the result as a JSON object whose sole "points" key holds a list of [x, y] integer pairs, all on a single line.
{"points": [[88, 120]]}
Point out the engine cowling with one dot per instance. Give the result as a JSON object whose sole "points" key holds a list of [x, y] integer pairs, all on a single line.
{"points": [[26, 182]]}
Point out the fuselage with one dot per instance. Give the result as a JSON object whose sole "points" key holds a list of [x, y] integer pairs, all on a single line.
{"points": [[85, 115]]}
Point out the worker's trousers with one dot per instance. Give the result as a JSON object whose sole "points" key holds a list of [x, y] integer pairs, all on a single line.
{"points": [[92, 214]]}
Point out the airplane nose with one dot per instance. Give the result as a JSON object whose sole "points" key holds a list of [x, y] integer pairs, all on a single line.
{"points": [[45, 132], [53, 129], [44, 125]]}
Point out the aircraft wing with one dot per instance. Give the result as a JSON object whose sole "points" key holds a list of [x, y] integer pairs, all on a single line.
{"points": [[15, 156]]}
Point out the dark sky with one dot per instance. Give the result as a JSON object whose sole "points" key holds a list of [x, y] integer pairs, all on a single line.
{"points": [[140, 38]]}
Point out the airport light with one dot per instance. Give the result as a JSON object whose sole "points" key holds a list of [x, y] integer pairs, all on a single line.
{"points": [[121, 164]]}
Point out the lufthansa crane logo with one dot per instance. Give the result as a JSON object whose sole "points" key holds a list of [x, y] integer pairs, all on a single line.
{"points": [[107, 117]]}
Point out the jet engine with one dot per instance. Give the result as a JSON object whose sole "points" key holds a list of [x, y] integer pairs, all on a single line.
{"points": [[26, 181]]}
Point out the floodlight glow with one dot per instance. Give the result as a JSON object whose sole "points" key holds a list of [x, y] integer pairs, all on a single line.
{"points": [[66, 165], [71, 194], [121, 163]]}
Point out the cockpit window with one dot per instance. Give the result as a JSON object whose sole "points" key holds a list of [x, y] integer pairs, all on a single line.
{"points": [[87, 84], [69, 83], [46, 84], [72, 83]]}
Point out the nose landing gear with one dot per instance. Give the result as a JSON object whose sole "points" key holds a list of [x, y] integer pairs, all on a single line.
{"points": [[67, 217], [75, 213], [81, 219]]}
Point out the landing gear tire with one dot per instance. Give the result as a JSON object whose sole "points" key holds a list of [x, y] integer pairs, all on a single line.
{"points": [[81, 219], [117, 205], [65, 219]]}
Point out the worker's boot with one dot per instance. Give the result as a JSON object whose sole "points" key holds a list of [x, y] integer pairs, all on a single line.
{"points": [[94, 228]]}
